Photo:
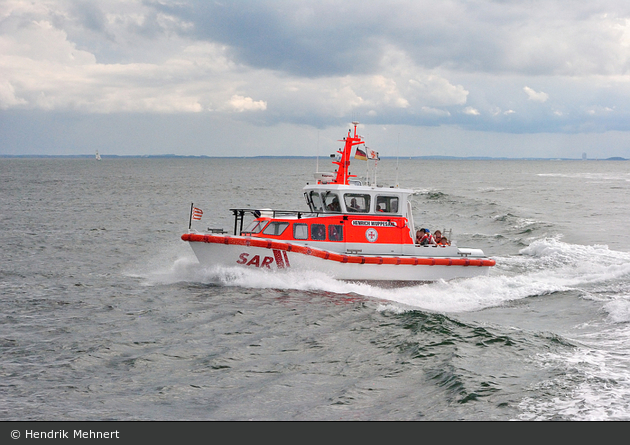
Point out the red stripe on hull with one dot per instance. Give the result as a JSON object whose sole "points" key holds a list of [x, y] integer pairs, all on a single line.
{"points": [[279, 260]]}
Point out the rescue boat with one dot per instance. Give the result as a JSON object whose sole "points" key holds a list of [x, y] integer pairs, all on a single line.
{"points": [[351, 231]]}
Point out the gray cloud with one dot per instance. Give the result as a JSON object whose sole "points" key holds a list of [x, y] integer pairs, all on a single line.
{"points": [[336, 38], [513, 67], [300, 38]]}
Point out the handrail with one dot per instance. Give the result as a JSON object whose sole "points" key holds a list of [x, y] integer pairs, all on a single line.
{"points": [[258, 212], [239, 215]]}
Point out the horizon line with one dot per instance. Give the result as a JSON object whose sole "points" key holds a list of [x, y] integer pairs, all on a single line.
{"points": [[434, 157]]}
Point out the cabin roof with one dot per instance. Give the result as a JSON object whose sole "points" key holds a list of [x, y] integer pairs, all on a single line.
{"points": [[358, 188]]}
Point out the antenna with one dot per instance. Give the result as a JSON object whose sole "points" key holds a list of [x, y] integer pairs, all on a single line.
{"points": [[367, 168], [397, 151]]}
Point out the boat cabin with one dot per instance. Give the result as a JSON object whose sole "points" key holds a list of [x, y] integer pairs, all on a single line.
{"points": [[341, 218]]}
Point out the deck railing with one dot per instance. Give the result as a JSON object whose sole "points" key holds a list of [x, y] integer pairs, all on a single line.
{"points": [[239, 215]]}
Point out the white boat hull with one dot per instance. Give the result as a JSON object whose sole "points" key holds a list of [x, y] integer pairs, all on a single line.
{"points": [[281, 256]]}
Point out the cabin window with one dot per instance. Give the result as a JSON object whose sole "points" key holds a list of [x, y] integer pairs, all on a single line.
{"points": [[300, 231], [335, 232], [387, 204], [318, 232], [255, 226], [276, 228], [331, 202], [356, 202], [316, 202]]}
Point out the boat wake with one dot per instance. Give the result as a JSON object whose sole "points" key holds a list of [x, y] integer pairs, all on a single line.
{"points": [[545, 267]]}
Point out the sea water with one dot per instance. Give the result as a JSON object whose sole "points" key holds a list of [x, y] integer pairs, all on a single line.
{"points": [[106, 314]]}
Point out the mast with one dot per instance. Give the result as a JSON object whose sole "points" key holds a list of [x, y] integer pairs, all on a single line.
{"points": [[344, 163]]}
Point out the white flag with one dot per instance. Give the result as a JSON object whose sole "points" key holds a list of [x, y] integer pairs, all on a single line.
{"points": [[371, 154]]}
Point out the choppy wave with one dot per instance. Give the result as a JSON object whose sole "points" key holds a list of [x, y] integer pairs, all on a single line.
{"points": [[591, 381], [574, 264]]}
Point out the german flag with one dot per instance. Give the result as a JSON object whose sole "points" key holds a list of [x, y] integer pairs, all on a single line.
{"points": [[360, 154]]}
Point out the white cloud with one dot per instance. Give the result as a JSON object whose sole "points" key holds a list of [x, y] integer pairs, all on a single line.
{"points": [[42, 69], [471, 111], [437, 91], [534, 95], [241, 103], [388, 91]]}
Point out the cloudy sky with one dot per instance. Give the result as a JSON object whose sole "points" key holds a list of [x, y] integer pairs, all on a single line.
{"points": [[511, 78]]}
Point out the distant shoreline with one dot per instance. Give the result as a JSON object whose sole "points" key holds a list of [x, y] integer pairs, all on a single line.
{"points": [[466, 158]]}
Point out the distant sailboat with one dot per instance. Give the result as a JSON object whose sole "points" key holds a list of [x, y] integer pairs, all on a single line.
{"points": [[98, 157]]}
